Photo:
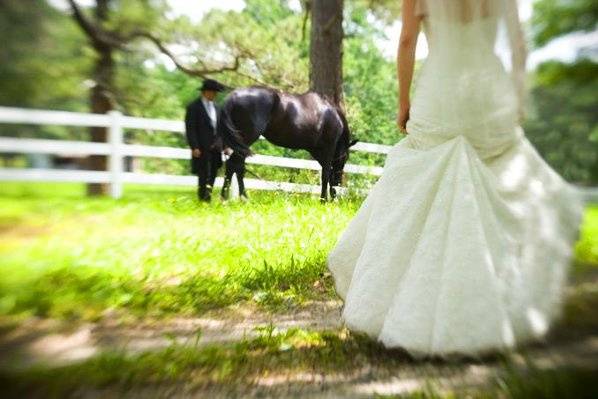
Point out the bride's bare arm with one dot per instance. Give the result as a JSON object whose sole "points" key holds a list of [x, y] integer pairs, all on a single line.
{"points": [[518, 51], [406, 59]]}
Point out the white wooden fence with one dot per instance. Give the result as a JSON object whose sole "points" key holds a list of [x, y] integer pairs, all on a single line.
{"points": [[116, 149]]}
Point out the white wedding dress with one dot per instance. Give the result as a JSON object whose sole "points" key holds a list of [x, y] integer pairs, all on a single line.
{"points": [[463, 244]]}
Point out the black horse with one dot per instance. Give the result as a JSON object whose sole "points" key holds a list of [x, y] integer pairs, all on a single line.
{"points": [[306, 121]]}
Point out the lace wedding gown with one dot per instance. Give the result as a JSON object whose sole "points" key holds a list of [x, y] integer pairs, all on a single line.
{"points": [[463, 244]]}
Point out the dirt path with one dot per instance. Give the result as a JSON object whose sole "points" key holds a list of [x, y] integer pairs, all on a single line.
{"points": [[57, 343], [54, 343]]}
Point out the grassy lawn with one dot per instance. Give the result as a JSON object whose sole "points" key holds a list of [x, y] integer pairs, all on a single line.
{"points": [[158, 253], [64, 255]]}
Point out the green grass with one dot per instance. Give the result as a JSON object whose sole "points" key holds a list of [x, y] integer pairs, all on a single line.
{"points": [[533, 382], [586, 250], [161, 251], [158, 251]]}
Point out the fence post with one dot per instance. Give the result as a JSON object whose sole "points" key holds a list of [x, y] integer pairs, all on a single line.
{"points": [[115, 133]]}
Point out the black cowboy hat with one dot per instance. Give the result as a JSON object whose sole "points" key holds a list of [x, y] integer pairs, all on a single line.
{"points": [[212, 85]]}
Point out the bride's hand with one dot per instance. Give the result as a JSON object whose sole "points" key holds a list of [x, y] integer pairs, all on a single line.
{"points": [[402, 119]]}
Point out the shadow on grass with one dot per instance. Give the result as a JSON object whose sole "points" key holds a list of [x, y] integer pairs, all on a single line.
{"points": [[224, 368], [532, 382], [580, 313], [84, 293], [277, 363]]}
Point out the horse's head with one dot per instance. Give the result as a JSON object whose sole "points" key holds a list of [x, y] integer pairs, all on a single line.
{"points": [[339, 161]]}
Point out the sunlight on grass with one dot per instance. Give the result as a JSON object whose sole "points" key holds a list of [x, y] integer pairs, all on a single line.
{"points": [[159, 251], [273, 353], [586, 250], [283, 356]]}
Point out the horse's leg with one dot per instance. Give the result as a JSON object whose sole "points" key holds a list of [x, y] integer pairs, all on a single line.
{"points": [[326, 171], [225, 193], [331, 184], [241, 178]]}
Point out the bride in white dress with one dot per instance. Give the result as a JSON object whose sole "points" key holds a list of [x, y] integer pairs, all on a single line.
{"points": [[463, 244]]}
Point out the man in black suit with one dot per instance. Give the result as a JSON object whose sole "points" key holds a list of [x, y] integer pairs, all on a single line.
{"points": [[202, 137]]}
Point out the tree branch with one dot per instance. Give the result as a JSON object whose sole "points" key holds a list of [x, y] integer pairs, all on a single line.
{"points": [[253, 79], [307, 5], [83, 22], [103, 38], [97, 35], [203, 72]]}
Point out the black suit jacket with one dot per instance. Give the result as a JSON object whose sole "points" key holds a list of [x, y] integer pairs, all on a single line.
{"points": [[201, 134], [199, 130]]}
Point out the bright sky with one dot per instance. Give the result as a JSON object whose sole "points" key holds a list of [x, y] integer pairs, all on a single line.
{"points": [[195, 9]]}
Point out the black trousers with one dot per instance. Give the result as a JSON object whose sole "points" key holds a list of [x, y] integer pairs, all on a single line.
{"points": [[207, 166]]}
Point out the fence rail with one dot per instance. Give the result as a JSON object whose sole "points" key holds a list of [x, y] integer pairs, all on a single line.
{"points": [[116, 149]]}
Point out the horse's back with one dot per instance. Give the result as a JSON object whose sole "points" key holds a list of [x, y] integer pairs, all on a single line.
{"points": [[251, 108]]}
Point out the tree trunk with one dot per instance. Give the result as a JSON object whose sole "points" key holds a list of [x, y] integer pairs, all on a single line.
{"points": [[326, 49], [101, 99]]}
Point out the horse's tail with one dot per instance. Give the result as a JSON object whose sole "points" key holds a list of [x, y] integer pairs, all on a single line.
{"points": [[232, 136], [346, 133]]}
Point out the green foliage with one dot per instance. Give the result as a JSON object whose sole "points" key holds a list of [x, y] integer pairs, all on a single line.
{"points": [[129, 15], [386, 10], [370, 83], [42, 62], [267, 33], [50, 61], [565, 128], [553, 18]]}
